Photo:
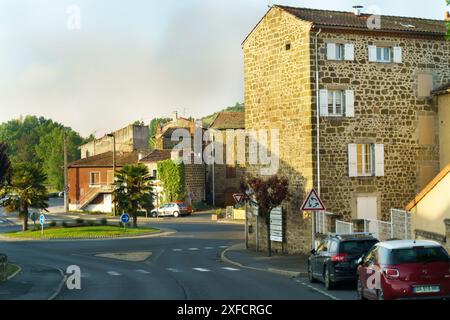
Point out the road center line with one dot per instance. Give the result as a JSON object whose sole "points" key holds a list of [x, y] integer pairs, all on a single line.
{"points": [[318, 290], [230, 269], [173, 270], [113, 273], [201, 269], [142, 271]]}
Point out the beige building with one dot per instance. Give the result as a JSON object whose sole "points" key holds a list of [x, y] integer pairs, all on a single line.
{"points": [[442, 99], [378, 133]]}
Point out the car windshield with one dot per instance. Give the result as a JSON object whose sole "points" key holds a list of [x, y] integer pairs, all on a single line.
{"points": [[419, 255], [357, 247]]}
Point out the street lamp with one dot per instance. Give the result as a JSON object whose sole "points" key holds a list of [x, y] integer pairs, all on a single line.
{"points": [[111, 135]]}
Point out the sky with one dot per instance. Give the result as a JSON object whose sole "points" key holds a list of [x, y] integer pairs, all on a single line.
{"points": [[99, 65]]}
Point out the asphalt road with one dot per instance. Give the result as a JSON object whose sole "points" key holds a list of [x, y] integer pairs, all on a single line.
{"points": [[183, 266]]}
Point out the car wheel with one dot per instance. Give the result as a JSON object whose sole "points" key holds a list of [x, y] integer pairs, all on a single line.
{"points": [[329, 285], [310, 274], [176, 214], [359, 290], [380, 294], [154, 215]]}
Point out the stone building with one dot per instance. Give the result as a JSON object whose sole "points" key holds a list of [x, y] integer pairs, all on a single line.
{"points": [[224, 180], [128, 139], [370, 93]]}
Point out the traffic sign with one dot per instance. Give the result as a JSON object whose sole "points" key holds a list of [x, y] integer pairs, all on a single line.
{"points": [[238, 197], [42, 219], [313, 202], [125, 218]]}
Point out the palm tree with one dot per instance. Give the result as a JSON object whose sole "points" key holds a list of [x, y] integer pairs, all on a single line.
{"points": [[134, 190], [26, 190], [5, 165]]}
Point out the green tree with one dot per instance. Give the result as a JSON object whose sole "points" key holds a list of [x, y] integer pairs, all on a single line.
{"points": [[172, 175], [5, 165], [26, 190], [134, 190], [448, 23], [267, 194], [153, 128]]}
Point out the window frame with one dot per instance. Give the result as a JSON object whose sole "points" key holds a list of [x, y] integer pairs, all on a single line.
{"points": [[340, 51], [333, 106], [361, 159], [90, 178], [383, 58]]}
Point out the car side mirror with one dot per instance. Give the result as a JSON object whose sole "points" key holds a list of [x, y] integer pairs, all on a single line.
{"points": [[313, 252]]}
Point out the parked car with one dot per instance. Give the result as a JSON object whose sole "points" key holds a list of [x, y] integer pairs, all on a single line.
{"points": [[335, 260], [404, 269], [61, 194], [189, 207], [170, 209]]}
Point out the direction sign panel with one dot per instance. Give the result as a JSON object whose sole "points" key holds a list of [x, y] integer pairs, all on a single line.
{"points": [[42, 219], [276, 225], [313, 202], [125, 218], [238, 197]]}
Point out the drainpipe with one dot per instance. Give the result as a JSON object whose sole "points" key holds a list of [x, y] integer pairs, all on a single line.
{"points": [[313, 220]]}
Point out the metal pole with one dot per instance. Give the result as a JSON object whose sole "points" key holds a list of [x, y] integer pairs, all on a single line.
{"points": [[66, 178], [246, 224], [214, 170], [114, 169]]}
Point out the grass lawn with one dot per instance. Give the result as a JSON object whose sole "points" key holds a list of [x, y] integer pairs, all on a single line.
{"points": [[80, 232]]}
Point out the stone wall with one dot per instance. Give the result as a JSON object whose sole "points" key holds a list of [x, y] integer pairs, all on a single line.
{"points": [[387, 111], [447, 234], [278, 96], [195, 182]]}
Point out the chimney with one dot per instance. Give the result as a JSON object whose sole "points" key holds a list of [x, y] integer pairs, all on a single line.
{"points": [[447, 16], [175, 116], [357, 10]]}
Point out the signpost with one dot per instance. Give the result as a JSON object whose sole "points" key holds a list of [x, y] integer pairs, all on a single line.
{"points": [[42, 222], [125, 218], [314, 204], [276, 225], [239, 198]]}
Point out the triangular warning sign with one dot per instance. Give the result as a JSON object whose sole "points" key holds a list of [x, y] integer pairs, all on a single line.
{"points": [[313, 202], [238, 197]]}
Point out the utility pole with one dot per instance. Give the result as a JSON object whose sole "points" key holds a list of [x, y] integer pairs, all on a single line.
{"points": [[66, 177], [111, 135]]}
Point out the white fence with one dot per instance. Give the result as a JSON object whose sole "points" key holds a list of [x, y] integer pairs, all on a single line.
{"points": [[343, 227], [322, 223]]}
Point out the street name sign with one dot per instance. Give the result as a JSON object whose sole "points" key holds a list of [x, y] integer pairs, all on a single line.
{"points": [[313, 202], [276, 225]]}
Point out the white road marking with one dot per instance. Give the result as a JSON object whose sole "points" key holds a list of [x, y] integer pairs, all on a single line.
{"points": [[142, 271], [193, 249], [113, 273], [318, 290], [208, 248], [223, 247], [230, 269], [201, 269], [85, 275], [173, 270], [177, 250]]}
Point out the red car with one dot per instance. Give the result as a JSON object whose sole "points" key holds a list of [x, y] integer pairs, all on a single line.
{"points": [[188, 206], [404, 269]]}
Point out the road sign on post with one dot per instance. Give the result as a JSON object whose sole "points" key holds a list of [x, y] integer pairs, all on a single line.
{"points": [[125, 218], [276, 225], [42, 222], [313, 202], [238, 197]]}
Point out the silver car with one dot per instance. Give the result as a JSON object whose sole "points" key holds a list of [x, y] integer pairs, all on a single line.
{"points": [[170, 209]]}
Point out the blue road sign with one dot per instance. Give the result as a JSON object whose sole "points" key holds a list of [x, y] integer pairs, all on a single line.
{"points": [[125, 218], [42, 219]]}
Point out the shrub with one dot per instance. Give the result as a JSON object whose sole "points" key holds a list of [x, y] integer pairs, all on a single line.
{"points": [[53, 224], [65, 224], [104, 222], [80, 221], [91, 223]]}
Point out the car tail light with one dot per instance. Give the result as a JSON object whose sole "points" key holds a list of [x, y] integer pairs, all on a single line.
{"points": [[341, 257], [391, 273]]}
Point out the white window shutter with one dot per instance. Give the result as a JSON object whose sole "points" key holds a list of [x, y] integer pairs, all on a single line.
{"points": [[398, 56], [379, 160], [324, 102], [349, 52], [352, 161], [372, 53], [349, 103], [331, 51]]}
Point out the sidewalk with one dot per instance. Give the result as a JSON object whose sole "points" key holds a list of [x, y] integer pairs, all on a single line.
{"points": [[292, 266]]}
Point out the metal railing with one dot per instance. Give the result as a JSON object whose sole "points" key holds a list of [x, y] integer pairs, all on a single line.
{"points": [[92, 193], [343, 227]]}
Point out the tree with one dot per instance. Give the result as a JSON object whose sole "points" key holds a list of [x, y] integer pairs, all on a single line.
{"points": [[5, 165], [267, 194], [153, 129], [26, 190], [134, 190], [447, 23], [172, 175]]}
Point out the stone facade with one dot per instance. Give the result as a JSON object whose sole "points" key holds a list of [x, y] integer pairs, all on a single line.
{"points": [[280, 92], [447, 237], [128, 139]]}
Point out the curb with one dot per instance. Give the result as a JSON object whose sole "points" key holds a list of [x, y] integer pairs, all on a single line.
{"points": [[60, 285], [286, 273], [15, 273], [163, 233]]}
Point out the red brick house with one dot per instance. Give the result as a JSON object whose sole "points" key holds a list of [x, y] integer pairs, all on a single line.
{"points": [[91, 180]]}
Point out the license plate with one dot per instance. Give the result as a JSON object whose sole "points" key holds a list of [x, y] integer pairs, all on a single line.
{"points": [[427, 289]]}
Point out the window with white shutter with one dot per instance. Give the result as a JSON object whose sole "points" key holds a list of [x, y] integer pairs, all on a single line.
{"points": [[379, 160], [331, 51], [373, 53], [349, 52], [352, 160], [349, 103], [323, 102], [398, 55]]}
